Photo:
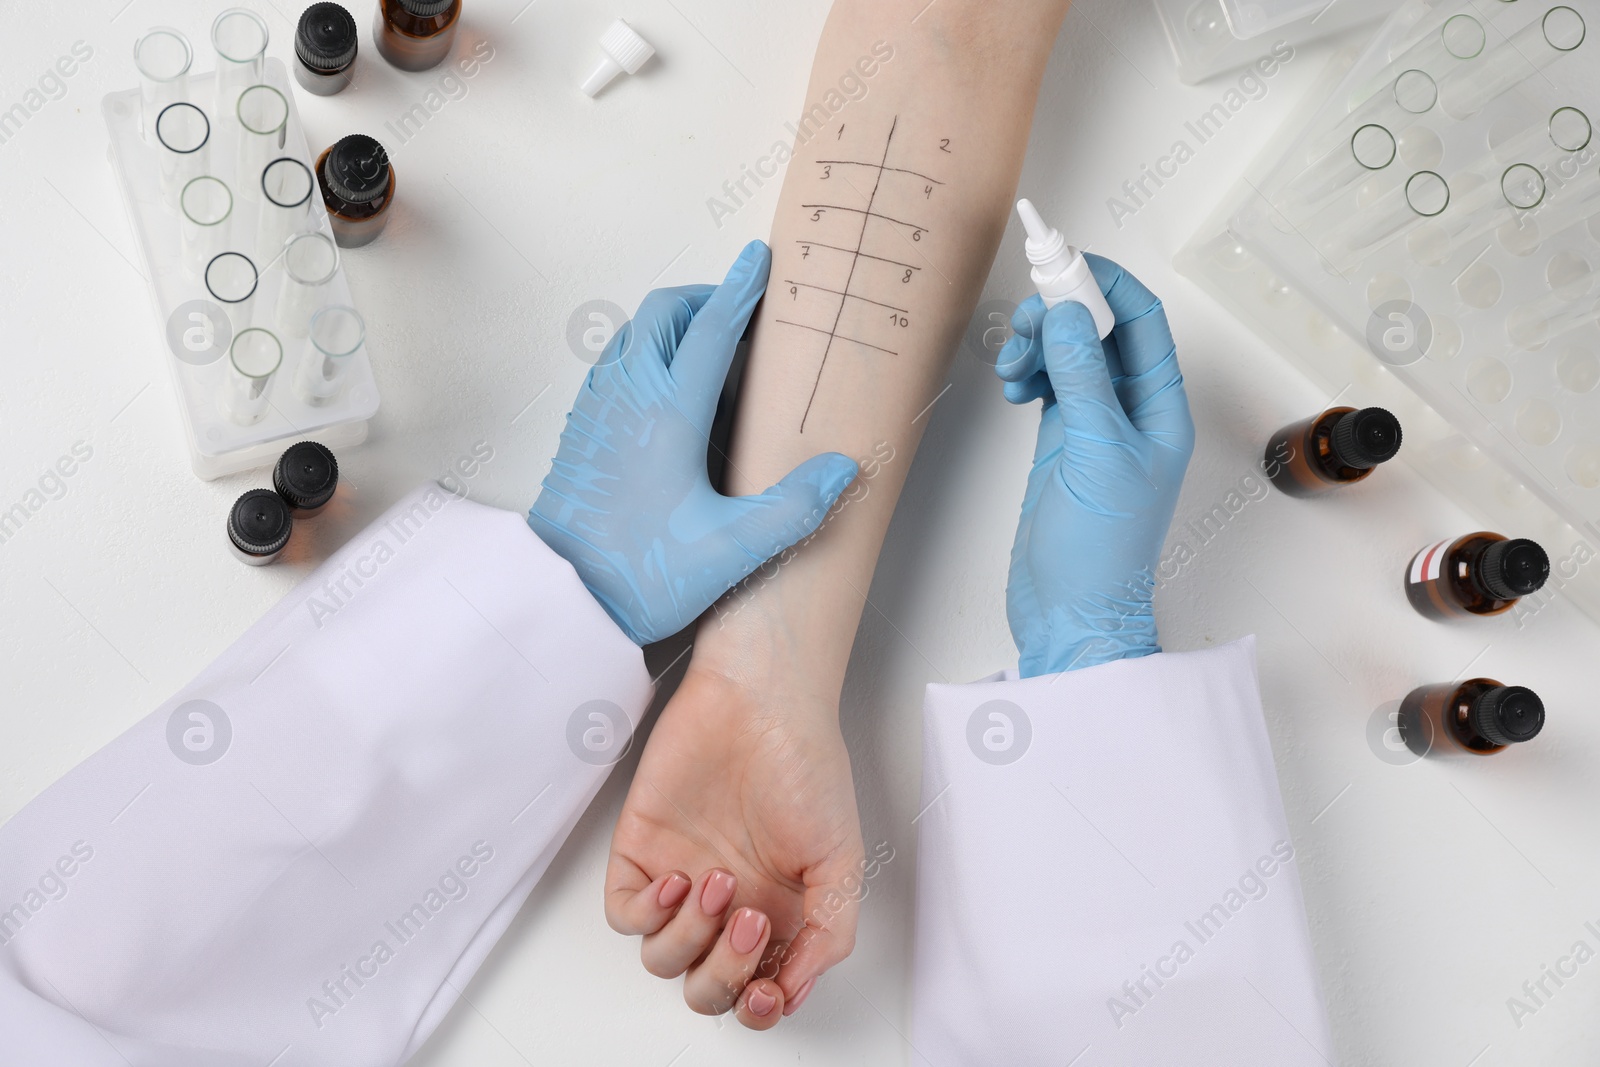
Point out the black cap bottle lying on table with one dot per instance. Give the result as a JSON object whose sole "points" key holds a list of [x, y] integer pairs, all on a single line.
{"points": [[1339, 447], [1479, 574], [1478, 717]]}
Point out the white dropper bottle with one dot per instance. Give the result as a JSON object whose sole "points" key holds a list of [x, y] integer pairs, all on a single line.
{"points": [[1060, 271]]}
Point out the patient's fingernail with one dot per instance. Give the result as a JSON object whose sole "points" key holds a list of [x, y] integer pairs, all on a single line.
{"points": [[748, 926], [717, 893], [799, 998], [760, 1003], [673, 890]]}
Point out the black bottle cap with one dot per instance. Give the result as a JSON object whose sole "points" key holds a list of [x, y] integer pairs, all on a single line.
{"points": [[1363, 439], [425, 8], [306, 475], [326, 37], [1507, 715], [357, 169], [1512, 569], [259, 523]]}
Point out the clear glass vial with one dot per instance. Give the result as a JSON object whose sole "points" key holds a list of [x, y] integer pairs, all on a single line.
{"points": [[336, 334], [416, 34], [357, 182], [1479, 574], [306, 476], [259, 524], [324, 48], [1339, 447], [1478, 717]]}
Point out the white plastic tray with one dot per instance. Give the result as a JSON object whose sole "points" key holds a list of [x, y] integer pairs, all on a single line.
{"points": [[217, 444]]}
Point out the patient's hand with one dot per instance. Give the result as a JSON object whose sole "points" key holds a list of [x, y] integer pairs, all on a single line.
{"points": [[752, 795]]}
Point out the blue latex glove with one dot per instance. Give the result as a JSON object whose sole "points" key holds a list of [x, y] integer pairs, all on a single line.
{"points": [[628, 501], [1114, 443]]}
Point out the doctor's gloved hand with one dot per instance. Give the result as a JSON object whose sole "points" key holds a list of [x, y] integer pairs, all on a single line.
{"points": [[1114, 443], [628, 501]]}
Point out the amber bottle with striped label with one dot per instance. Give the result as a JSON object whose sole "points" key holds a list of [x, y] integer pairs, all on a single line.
{"points": [[1479, 574]]}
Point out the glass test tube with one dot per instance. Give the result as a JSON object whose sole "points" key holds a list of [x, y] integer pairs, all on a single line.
{"points": [[1370, 149], [1425, 195], [310, 260], [253, 362], [1460, 38], [337, 334], [206, 213], [263, 115], [286, 186], [232, 280], [183, 136], [1395, 108], [163, 58], [1528, 51], [1541, 321], [1511, 185], [240, 39]]}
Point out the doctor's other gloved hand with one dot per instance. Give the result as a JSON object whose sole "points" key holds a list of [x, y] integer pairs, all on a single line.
{"points": [[628, 501], [1114, 443]]}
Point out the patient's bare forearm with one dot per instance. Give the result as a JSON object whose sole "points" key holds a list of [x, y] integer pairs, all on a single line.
{"points": [[888, 223]]}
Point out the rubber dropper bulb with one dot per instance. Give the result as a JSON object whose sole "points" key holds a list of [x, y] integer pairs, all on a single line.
{"points": [[625, 51], [1059, 270]]}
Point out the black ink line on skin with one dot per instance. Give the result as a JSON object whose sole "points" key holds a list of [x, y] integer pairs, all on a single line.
{"points": [[855, 259]]}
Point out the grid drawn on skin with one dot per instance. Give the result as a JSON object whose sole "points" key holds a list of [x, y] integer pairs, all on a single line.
{"points": [[845, 293]]}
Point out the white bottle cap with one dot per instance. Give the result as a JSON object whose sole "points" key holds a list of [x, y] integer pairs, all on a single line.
{"points": [[625, 51], [1060, 271]]}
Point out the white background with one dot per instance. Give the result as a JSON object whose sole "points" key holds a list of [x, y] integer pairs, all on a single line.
{"points": [[1434, 890]]}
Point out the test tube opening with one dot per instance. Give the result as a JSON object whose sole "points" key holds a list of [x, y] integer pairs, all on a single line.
{"points": [[1522, 186], [1570, 129], [182, 128], [287, 183], [263, 111], [206, 201], [231, 278], [1463, 36], [337, 331], [253, 360], [311, 258], [1427, 193], [1373, 147], [162, 55], [239, 36]]}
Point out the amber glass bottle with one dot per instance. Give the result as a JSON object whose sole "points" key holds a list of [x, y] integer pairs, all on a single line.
{"points": [[1478, 717], [1479, 574], [1339, 447], [357, 182], [416, 34]]}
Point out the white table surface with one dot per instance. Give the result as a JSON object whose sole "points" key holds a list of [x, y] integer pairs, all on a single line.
{"points": [[1434, 890]]}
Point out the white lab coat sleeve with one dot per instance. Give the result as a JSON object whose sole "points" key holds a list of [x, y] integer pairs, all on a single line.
{"points": [[305, 854], [1105, 874]]}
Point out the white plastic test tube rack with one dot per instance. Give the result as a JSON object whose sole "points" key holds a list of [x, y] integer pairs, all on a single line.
{"points": [[240, 255], [1451, 273]]}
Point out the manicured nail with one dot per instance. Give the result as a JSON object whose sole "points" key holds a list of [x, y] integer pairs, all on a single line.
{"points": [[717, 893], [760, 1003], [748, 926], [673, 890], [799, 998]]}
